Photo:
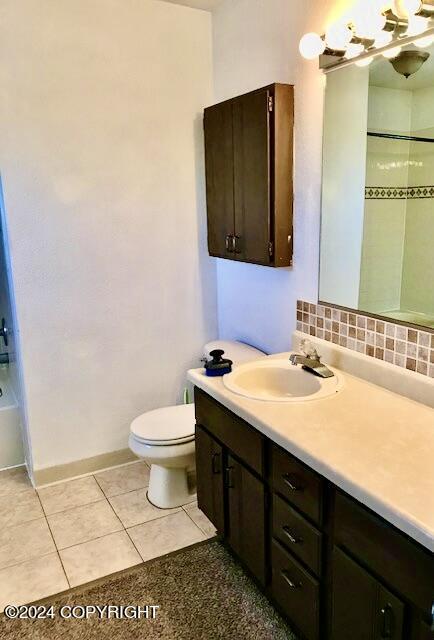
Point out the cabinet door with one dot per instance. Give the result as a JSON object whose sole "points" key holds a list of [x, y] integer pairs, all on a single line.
{"points": [[251, 117], [219, 179], [362, 608], [210, 480], [425, 632], [246, 532]]}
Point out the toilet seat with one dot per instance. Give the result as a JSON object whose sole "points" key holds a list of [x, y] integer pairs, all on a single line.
{"points": [[165, 427]]}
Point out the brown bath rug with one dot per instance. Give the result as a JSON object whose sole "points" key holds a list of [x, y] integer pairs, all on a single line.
{"points": [[201, 592]]}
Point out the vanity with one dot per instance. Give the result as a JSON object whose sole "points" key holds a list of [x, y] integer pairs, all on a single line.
{"points": [[312, 499]]}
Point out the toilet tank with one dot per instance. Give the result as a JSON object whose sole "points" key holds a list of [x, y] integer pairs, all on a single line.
{"points": [[238, 352]]}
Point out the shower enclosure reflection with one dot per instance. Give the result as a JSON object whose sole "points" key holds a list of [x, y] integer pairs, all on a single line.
{"points": [[377, 250]]}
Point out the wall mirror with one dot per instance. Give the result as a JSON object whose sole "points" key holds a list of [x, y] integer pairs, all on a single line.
{"points": [[377, 230]]}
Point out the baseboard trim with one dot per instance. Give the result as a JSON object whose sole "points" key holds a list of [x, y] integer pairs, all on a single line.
{"points": [[82, 467]]}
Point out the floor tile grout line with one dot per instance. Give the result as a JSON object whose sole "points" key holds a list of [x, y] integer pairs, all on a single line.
{"points": [[78, 544], [19, 524], [77, 506], [54, 542], [43, 555], [135, 547], [200, 528]]}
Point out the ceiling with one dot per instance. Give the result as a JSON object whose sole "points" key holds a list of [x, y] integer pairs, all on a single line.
{"points": [[382, 74], [207, 5]]}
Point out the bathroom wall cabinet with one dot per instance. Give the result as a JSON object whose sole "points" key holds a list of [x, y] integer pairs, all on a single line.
{"points": [[335, 569], [248, 156]]}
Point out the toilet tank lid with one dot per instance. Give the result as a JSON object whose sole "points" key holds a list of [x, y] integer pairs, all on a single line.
{"points": [[238, 352]]}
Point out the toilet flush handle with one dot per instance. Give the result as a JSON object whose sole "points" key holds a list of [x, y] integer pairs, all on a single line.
{"points": [[4, 331]]}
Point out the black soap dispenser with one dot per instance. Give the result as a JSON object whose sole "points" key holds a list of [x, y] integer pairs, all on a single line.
{"points": [[218, 366]]}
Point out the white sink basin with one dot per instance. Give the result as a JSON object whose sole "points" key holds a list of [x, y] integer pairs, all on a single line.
{"points": [[277, 380]]}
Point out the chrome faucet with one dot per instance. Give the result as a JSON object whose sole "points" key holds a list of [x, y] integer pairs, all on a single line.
{"points": [[310, 360]]}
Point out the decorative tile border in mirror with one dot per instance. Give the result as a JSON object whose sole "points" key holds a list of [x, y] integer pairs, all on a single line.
{"points": [[397, 344], [399, 193]]}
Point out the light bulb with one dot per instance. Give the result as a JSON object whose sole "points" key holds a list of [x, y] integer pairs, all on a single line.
{"points": [[364, 62], [427, 41], [338, 36], [383, 39], [405, 8], [369, 23], [392, 53], [311, 46], [354, 50], [416, 25]]}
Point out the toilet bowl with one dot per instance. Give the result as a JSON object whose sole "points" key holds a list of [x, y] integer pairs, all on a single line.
{"points": [[164, 438]]}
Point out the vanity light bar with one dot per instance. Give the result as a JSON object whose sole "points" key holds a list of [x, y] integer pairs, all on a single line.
{"points": [[370, 54], [370, 32]]}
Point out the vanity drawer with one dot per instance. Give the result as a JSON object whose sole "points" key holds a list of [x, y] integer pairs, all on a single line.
{"points": [[295, 591], [387, 552], [238, 436], [296, 534], [295, 482]]}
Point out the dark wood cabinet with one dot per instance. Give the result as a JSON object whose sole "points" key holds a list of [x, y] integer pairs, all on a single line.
{"points": [[371, 613], [246, 522], [334, 568], [210, 496], [249, 185]]}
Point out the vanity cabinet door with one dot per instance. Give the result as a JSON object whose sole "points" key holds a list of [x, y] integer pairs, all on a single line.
{"points": [[246, 526], [425, 632], [210, 478], [362, 608]]}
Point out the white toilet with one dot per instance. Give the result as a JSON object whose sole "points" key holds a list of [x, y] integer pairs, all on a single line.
{"points": [[165, 438]]}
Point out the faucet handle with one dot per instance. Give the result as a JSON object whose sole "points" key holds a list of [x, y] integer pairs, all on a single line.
{"points": [[308, 349]]}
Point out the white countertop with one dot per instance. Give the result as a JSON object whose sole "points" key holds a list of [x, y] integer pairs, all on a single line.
{"points": [[374, 444]]}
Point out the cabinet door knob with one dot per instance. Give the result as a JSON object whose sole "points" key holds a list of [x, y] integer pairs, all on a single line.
{"points": [[291, 584], [291, 482], [386, 621], [292, 539], [229, 243]]}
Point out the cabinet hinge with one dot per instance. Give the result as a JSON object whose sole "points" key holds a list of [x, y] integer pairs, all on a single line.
{"points": [[271, 249], [270, 103]]}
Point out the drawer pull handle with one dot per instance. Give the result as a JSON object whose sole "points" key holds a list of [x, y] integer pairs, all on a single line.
{"points": [[291, 584], [290, 482], [215, 464], [291, 538], [229, 478]]}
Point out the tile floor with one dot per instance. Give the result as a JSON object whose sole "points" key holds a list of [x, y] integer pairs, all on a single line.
{"points": [[76, 531]]}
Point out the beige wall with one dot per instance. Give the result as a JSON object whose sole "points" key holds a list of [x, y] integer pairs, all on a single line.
{"points": [[102, 170]]}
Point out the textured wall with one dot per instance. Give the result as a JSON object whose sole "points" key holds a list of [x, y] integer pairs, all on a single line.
{"points": [[102, 170]]}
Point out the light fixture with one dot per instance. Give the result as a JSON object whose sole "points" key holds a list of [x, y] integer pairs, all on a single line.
{"points": [[409, 62], [368, 24], [383, 39], [372, 25], [311, 46], [354, 50], [416, 25], [364, 62], [392, 53], [405, 8], [338, 36], [425, 41]]}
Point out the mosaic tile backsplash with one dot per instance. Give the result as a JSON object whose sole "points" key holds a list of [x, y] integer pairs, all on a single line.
{"points": [[397, 344]]}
